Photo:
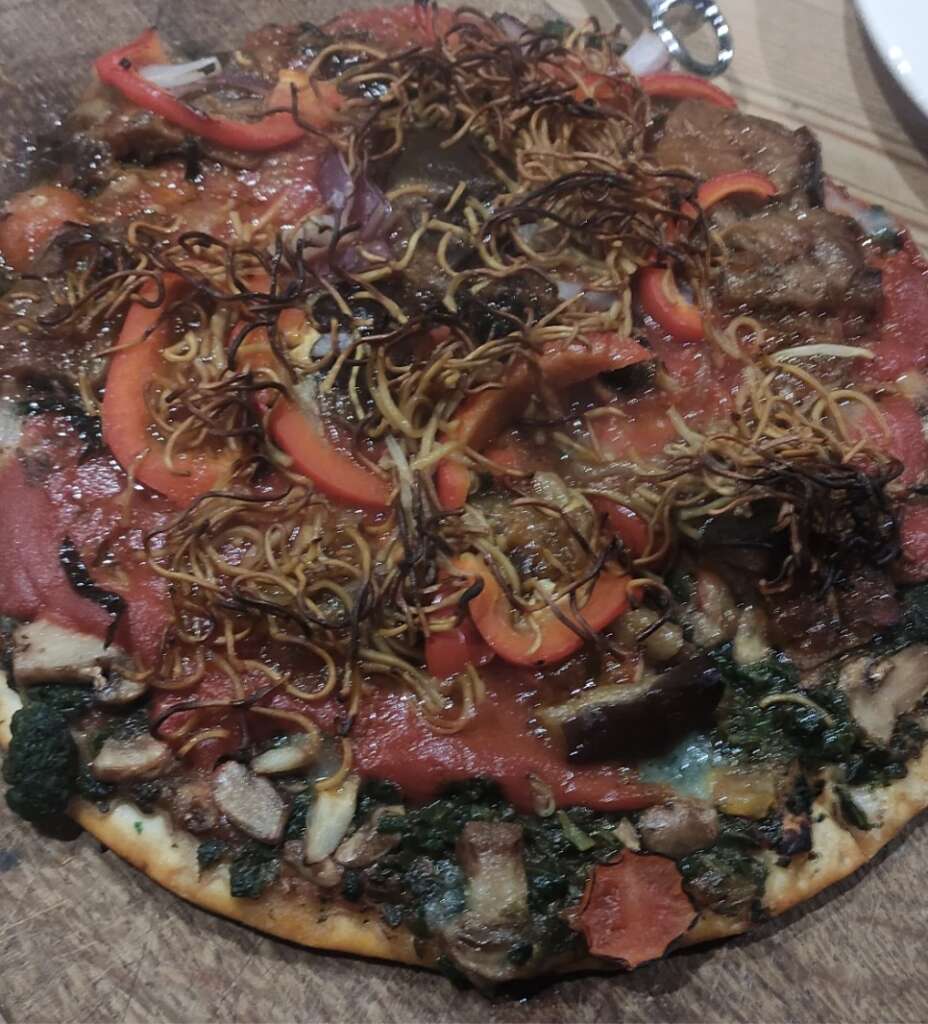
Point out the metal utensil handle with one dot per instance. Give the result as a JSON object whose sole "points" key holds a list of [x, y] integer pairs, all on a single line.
{"points": [[712, 15]]}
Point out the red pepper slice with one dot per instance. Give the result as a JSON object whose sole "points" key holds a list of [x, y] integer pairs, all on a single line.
{"points": [[120, 69], [629, 527], [634, 908], [660, 297], [550, 640], [751, 183], [127, 426], [333, 471], [673, 85], [484, 416], [452, 482]]}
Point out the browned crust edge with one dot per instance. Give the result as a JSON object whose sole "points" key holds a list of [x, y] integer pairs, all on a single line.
{"points": [[150, 843]]}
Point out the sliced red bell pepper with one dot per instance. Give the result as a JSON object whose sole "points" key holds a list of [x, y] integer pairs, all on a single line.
{"points": [[674, 85], [485, 415], [629, 527], [738, 183], [452, 482], [633, 909], [660, 298], [548, 641], [127, 424], [449, 652], [120, 69], [333, 471], [31, 219]]}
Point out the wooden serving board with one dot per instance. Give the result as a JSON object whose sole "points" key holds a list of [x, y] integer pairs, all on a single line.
{"points": [[85, 938]]}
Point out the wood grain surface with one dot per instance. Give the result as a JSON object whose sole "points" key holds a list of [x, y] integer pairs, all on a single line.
{"points": [[85, 938]]}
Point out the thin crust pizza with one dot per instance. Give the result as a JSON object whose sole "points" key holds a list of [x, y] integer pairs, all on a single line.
{"points": [[462, 493]]}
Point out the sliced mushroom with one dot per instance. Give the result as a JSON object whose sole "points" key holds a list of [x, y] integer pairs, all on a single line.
{"points": [[328, 820], [249, 802], [193, 807], [366, 846], [326, 874], [481, 940], [678, 827], [142, 757], [44, 652], [490, 853], [114, 689], [299, 751], [879, 690], [620, 722]]}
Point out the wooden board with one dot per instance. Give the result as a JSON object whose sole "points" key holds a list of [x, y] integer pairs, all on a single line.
{"points": [[85, 938]]}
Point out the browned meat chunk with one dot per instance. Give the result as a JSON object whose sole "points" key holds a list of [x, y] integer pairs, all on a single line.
{"points": [[708, 140], [785, 262]]}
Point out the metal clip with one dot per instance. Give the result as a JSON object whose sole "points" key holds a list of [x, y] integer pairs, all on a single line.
{"points": [[709, 11]]}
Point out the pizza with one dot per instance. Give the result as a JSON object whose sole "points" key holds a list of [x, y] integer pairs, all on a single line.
{"points": [[463, 493]]}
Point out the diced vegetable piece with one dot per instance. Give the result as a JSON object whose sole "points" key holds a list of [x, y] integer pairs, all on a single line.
{"points": [[634, 909]]}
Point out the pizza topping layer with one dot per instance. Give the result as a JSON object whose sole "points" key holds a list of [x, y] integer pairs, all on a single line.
{"points": [[454, 479]]}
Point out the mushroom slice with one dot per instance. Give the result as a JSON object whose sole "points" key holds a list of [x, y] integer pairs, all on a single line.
{"points": [[249, 802], [366, 846], [639, 719], [299, 751], [678, 827], [114, 689], [142, 757], [328, 820], [44, 652], [879, 690], [481, 939]]}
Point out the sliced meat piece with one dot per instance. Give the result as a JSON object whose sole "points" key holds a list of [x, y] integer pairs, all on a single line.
{"points": [[44, 652], [124, 130], [784, 262], [708, 140]]}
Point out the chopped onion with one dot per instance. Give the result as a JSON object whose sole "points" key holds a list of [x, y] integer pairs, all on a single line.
{"points": [[299, 751], [177, 76], [512, 28], [646, 54], [328, 819], [824, 349]]}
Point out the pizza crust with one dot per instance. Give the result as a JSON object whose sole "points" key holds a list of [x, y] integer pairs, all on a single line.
{"points": [[168, 857]]}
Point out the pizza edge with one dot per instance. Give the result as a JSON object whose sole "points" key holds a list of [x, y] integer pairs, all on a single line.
{"points": [[150, 843]]}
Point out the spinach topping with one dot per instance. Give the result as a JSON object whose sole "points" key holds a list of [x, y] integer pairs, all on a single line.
{"points": [[41, 765], [421, 884], [296, 821], [725, 878], [209, 852], [766, 717], [68, 700], [252, 870]]}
